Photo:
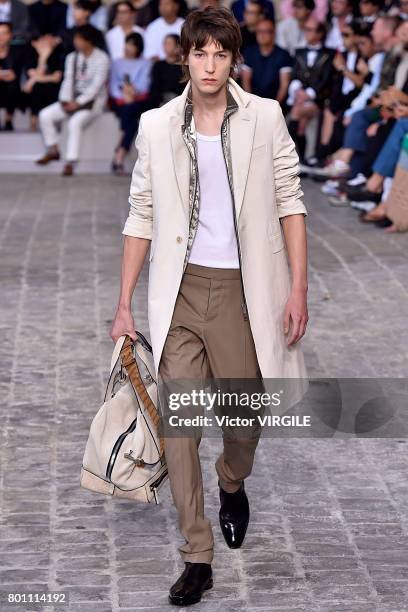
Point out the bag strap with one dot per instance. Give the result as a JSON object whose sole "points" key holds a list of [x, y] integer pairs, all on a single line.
{"points": [[129, 362]]}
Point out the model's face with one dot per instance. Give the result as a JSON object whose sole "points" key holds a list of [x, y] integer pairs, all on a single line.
{"points": [[209, 67]]}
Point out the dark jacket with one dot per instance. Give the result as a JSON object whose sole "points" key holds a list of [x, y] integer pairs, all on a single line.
{"points": [[19, 19], [48, 18], [318, 76]]}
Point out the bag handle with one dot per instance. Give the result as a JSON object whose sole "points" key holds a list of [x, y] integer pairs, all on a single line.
{"points": [[129, 362]]}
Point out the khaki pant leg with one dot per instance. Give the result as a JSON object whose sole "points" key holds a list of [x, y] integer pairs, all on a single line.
{"points": [[184, 357]]}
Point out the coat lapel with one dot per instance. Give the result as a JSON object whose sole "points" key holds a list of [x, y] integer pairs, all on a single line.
{"points": [[181, 160], [242, 130]]}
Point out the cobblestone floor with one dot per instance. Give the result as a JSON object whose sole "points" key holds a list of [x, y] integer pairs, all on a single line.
{"points": [[329, 528]]}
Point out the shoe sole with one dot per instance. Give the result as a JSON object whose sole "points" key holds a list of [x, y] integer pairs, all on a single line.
{"points": [[191, 600]]}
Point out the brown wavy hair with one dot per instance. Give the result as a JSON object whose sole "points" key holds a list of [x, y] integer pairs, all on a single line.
{"points": [[200, 26]]}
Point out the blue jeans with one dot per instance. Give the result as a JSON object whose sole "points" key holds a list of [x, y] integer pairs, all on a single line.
{"points": [[387, 159]]}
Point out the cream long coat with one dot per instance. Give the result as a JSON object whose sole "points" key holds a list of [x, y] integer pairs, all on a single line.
{"points": [[266, 188]]}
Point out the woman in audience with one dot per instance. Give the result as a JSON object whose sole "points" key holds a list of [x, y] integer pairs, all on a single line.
{"points": [[10, 70], [44, 69], [129, 91]]}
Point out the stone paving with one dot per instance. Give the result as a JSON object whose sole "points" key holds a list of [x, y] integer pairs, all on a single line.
{"points": [[329, 526]]}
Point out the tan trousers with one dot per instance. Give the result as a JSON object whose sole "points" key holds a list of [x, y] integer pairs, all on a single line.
{"points": [[208, 337]]}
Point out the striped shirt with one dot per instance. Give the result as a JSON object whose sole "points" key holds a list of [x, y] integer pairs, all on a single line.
{"points": [[90, 78]]}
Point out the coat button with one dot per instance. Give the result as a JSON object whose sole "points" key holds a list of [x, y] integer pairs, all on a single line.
{"points": [[179, 239]]}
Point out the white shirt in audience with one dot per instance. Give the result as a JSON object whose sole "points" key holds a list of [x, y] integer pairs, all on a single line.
{"points": [[115, 40], [289, 35], [155, 34], [5, 12]]}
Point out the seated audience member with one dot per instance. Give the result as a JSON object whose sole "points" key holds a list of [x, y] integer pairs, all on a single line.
{"points": [[369, 10], [267, 68], [48, 17], [311, 82], [129, 90], [379, 70], [98, 17], [10, 71], [238, 8], [124, 25], [286, 9], [81, 15], [346, 84], [289, 33], [166, 74], [44, 69], [169, 22], [253, 14], [146, 12], [15, 12], [82, 97], [342, 14]]}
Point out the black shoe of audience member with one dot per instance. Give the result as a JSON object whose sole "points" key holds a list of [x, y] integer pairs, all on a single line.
{"points": [[189, 587], [234, 515], [359, 193]]}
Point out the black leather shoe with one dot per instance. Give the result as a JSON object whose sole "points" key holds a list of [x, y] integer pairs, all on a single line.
{"points": [[234, 515], [195, 579]]}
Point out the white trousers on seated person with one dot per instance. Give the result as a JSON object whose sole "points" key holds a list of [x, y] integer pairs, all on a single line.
{"points": [[52, 115]]}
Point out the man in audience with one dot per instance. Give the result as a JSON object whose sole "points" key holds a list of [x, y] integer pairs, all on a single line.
{"points": [[168, 23], [369, 10], [238, 8], [15, 12], [98, 17], [82, 97], [290, 31], [48, 17], [253, 14], [311, 82], [124, 25], [10, 70], [267, 68], [342, 11]]}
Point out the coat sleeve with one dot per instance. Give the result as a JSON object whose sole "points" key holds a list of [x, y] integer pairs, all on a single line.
{"points": [[286, 168], [140, 219]]}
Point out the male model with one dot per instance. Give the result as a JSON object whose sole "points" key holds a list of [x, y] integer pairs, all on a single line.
{"points": [[215, 181]]}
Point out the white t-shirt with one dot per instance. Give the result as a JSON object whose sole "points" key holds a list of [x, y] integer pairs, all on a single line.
{"points": [[115, 40], [215, 243], [155, 34]]}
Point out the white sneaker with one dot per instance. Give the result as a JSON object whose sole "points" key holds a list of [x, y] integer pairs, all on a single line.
{"points": [[360, 179], [331, 188], [335, 169], [365, 206]]}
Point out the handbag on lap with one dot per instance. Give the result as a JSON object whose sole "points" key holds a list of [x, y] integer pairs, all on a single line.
{"points": [[124, 454]]}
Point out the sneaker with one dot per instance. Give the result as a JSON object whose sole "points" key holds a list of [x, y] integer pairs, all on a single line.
{"points": [[358, 180], [340, 200], [331, 188], [365, 206], [335, 169]]}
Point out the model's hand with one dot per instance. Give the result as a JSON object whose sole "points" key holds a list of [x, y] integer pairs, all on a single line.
{"points": [[295, 316], [123, 323]]}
